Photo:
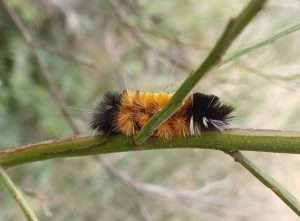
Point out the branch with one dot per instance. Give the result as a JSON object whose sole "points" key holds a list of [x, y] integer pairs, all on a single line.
{"points": [[84, 61], [17, 195], [268, 181], [44, 73], [163, 192], [123, 20], [234, 139], [233, 29], [271, 39]]}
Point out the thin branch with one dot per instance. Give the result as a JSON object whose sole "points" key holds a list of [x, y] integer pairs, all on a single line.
{"points": [[44, 73], [269, 40], [268, 181], [234, 28], [17, 195], [160, 191], [141, 18], [271, 77], [84, 61], [123, 19], [235, 139]]}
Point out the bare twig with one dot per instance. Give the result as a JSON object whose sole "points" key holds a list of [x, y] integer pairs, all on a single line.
{"points": [[122, 18], [291, 201], [17, 195], [271, 39], [44, 74], [84, 61], [162, 192], [272, 76]]}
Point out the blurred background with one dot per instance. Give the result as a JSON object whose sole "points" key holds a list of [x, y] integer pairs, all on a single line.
{"points": [[89, 47]]}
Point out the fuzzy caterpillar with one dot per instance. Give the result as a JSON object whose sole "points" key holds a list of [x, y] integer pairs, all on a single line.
{"points": [[127, 112]]}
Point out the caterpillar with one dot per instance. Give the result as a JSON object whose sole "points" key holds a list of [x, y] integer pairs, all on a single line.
{"points": [[127, 112]]}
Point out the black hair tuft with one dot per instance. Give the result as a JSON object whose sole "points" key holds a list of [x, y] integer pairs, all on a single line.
{"points": [[208, 113], [103, 119]]}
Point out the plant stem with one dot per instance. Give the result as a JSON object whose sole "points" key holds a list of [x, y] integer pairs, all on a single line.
{"points": [[17, 195], [268, 181], [232, 30], [240, 52], [248, 140]]}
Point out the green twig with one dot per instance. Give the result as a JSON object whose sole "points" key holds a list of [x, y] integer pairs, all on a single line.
{"points": [[268, 181], [249, 140], [17, 195], [233, 29], [240, 52]]}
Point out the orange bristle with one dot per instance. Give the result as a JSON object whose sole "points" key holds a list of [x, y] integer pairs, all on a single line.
{"points": [[136, 109]]}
